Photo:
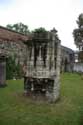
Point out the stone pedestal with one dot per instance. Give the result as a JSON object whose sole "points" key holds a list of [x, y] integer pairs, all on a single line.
{"points": [[44, 78]]}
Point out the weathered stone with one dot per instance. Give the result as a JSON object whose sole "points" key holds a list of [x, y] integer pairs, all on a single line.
{"points": [[2, 71], [44, 76], [43, 72]]}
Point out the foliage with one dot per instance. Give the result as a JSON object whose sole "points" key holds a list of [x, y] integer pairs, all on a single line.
{"points": [[39, 30], [80, 20], [16, 109], [78, 33], [19, 27], [9, 26], [13, 70], [10, 68]]}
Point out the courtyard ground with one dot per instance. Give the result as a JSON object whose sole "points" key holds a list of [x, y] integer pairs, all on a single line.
{"points": [[16, 109]]}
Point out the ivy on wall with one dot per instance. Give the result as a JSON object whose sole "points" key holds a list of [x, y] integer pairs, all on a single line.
{"points": [[13, 70]]}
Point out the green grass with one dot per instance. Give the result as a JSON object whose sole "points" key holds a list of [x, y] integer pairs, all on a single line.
{"points": [[15, 109]]}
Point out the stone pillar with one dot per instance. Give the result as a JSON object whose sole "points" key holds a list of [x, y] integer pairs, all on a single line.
{"points": [[2, 71], [56, 89]]}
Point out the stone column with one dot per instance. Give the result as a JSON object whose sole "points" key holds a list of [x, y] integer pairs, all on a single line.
{"points": [[32, 62], [2, 71], [47, 72], [56, 89]]}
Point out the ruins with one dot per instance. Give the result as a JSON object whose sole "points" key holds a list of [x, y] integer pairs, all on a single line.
{"points": [[43, 65], [41, 51], [11, 44]]}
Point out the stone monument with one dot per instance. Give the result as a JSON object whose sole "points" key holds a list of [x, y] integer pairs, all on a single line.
{"points": [[43, 66]]}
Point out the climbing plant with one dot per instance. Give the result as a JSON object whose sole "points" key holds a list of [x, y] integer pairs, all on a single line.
{"points": [[13, 70]]}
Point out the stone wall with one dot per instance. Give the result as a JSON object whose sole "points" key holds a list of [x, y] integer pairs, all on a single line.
{"points": [[78, 67], [15, 49], [11, 43], [67, 59], [18, 50]]}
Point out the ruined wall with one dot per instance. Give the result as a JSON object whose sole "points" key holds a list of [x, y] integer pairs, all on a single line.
{"points": [[67, 59], [78, 67], [2, 71], [15, 49], [18, 50], [43, 66]]}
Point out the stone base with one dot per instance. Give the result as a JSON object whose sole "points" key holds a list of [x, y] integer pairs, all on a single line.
{"points": [[40, 89], [3, 85], [40, 98], [36, 97]]}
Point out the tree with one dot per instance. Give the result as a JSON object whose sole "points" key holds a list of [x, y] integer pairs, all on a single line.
{"points": [[39, 30], [78, 33], [43, 31], [19, 27], [80, 21], [9, 26]]}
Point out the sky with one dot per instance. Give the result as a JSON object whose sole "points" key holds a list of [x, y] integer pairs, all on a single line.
{"points": [[61, 14]]}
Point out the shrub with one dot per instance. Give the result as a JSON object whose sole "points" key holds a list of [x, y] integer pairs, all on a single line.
{"points": [[13, 70]]}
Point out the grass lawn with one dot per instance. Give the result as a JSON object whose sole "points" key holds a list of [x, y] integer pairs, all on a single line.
{"points": [[15, 109]]}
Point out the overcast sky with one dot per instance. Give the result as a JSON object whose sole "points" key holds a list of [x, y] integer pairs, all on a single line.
{"points": [[61, 14]]}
